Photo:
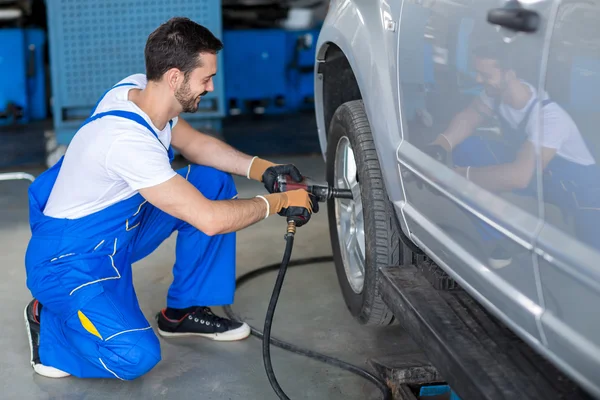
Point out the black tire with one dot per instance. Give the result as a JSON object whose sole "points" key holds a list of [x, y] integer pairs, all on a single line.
{"points": [[382, 242]]}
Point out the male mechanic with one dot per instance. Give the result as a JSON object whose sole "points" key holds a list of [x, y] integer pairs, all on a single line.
{"points": [[114, 197], [571, 178]]}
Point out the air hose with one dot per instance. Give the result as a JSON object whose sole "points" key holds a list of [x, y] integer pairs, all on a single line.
{"points": [[265, 336]]}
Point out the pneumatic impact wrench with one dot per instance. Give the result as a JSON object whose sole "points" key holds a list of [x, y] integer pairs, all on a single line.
{"points": [[323, 192]]}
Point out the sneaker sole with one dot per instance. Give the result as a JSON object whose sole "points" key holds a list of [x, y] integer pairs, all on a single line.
{"points": [[498, 264], [238, 334], [43, 370]]}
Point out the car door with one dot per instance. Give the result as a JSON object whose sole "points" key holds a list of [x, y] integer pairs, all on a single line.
{"points": [[480, 227], [569, 244]]}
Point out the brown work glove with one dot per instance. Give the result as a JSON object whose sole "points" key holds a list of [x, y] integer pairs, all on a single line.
{"points": [[297, 205], [266, 172]]}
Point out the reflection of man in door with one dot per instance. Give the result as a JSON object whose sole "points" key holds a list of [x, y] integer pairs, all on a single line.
{"points": [[527, 119]]}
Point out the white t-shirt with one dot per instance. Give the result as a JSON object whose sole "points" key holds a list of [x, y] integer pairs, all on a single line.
{"points": [[110, 159], [559, 131]]}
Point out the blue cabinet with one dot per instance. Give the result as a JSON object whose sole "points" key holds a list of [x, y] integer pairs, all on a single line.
{"points": [[269, 70], [22, 76], [94, 44]]}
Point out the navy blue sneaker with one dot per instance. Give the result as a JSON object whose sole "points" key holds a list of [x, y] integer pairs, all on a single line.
{"points": [[500, 258], [201, 321]]}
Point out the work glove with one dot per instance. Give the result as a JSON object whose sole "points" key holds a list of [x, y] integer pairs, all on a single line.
{"points": [[267, 172], [296, 205], [439, 153], [435, 151]]}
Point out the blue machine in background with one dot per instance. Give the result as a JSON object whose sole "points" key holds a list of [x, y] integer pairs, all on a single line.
{"points": [[22, 76], [269, 71], [94, 44]]}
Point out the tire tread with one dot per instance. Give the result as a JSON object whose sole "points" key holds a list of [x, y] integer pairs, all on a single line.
{"points": [[387, 248]]}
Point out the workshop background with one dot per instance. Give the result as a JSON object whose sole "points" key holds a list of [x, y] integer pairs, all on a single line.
{"points": [[57, 57]]}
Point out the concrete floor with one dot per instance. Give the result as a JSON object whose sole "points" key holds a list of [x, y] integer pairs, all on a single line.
{"points": [[311, 313]]}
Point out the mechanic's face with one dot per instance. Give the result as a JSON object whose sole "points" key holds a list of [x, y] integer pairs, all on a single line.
{"points": [[491, 76], [197, 84]]}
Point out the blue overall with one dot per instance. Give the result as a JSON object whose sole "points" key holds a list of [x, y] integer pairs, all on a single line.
{"points": [[573, 188], [80, 270]]}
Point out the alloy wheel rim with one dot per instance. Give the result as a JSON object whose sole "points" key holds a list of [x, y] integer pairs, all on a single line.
{"points": [[349, 216]]}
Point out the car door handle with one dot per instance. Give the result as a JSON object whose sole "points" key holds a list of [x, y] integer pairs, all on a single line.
{"points": [[513, 16]]}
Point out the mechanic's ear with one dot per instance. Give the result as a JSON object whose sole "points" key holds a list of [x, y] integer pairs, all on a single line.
{"points": [[172, 77], [511, 75]]}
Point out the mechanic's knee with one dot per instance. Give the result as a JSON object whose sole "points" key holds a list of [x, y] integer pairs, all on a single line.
{"points": [[130, 361]]}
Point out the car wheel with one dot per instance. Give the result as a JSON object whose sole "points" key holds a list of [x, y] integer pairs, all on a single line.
{"points": [[363, 231]]}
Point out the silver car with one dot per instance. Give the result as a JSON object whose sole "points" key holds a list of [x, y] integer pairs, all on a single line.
{"points": [[469, 132]]}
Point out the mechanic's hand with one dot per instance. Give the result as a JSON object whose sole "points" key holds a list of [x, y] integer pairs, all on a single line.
{"points": [[433, 150], [437, 152], [269, 177], [297, 205], [267, 172], [300, 215]]}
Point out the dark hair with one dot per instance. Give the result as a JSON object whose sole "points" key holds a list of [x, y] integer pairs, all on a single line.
{"points": [[511, 57], [177, 44], [493, 51]]}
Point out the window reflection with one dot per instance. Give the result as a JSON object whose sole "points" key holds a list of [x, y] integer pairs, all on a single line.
{"points": [[572, 178], [528, 121]]}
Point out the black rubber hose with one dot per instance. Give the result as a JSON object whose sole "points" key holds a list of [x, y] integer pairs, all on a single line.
{"points": [[289, 244], [268, 340]]}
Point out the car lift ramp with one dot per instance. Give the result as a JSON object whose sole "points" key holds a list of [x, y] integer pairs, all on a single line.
{"points": [[477, 356]]}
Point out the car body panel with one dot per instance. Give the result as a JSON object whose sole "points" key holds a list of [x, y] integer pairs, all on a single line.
{"points": [[413, 81], [436, 42], [434, 230], [354, 26], [568, 246]]}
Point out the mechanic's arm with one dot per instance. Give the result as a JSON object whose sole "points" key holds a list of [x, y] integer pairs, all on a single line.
{"points": [[203, 149], [515, 175], [179, 198], [463, 125]]}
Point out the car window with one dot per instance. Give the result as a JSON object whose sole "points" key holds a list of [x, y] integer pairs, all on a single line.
{"points": [[460, 73], [568, 245], [470, 126], [571, 124]]}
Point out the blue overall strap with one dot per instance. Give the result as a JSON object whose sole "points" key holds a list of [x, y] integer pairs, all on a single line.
{"points": [[105, 93], [133, 117], [517, 136], [525, 120]]}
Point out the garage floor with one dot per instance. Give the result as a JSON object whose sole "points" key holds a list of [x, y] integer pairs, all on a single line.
{"points": [[311, 313]]}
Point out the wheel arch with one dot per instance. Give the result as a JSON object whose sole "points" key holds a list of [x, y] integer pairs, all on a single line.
{"points": [[338, 86], [356, 60]]}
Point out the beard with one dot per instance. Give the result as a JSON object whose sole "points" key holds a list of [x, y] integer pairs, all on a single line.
{"points": [[496, 92], [492, 91], [188, 102]]}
